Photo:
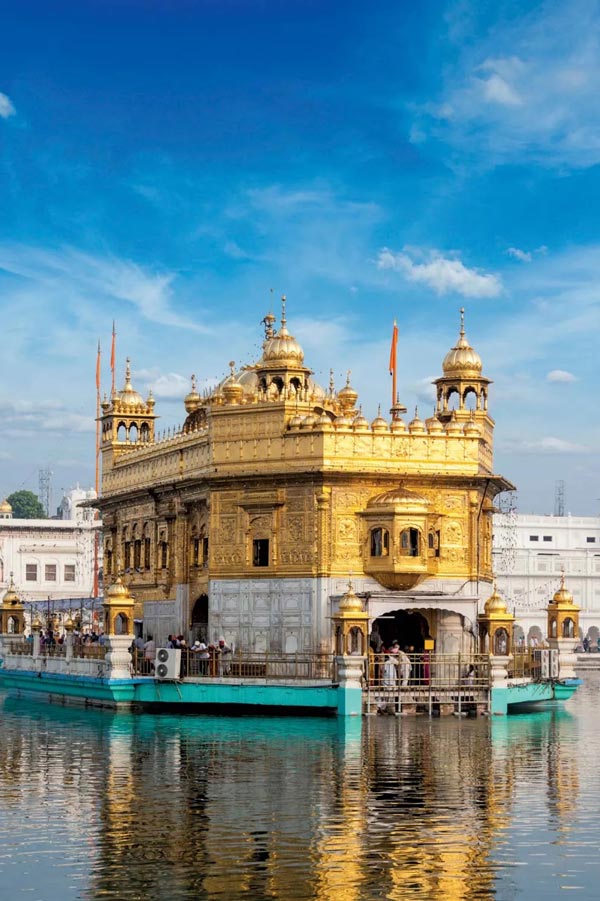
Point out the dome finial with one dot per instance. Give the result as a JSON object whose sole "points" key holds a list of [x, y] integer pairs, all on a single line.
{"points": [[269, 321], [128, 372], [232, 367], [462, 322], [331, 383], [348, 374], [283, 319], [193, 381]]}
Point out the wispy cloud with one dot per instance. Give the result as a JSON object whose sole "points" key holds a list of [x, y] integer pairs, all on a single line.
{"points": [[97, 279], [549, 444], [524, 256], [526, 87], [444, 275], [561, 375], [6, 107]]}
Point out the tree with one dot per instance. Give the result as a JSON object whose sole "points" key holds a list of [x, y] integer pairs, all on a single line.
{"points": [[26, 505]]}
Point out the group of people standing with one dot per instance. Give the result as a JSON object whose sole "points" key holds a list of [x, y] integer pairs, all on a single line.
{"points": [[199, 659]]}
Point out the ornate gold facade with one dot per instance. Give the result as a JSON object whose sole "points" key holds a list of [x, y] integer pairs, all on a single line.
{"points": [[247, 518]]}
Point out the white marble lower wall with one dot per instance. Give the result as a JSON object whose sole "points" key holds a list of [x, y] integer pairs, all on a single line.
{"points": [[162, 618]]}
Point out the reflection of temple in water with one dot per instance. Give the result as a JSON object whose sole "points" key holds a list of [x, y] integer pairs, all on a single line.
{"points": [[204, 807]]}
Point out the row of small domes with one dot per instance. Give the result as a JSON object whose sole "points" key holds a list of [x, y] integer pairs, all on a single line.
{"points": [[431, 426]]}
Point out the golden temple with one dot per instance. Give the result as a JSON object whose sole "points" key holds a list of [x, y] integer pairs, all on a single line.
{"points": [[247, 521]]}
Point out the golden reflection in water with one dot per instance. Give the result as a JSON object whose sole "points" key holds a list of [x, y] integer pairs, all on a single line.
{"points": [[207, 808]]}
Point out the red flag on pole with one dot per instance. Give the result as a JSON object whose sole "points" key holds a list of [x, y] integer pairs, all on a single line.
{"points": [[393, 349]]}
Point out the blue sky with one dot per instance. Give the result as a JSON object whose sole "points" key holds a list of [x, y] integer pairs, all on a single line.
{"points": [[167, 164]]}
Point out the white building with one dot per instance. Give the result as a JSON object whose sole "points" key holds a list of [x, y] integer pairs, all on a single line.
{"points": [[72, 504], [52, 560], [530, 553]]}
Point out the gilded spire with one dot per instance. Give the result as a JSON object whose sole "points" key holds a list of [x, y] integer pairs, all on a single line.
{"points": [[462, 322]]}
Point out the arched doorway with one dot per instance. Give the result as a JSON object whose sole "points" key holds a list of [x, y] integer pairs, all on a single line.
{"points": [[199, 618], [408, 627]]}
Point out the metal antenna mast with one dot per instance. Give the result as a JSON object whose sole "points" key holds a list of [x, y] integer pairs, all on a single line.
{"points": [[559, 498], [45, 489]]}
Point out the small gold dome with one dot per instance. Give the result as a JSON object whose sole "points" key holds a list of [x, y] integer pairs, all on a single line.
{"points": [[192, 400], [128, 396], [309, 421], [360, 423], [462, 359], [347, 397], [416, 426], [350, 602], [231, 388], [454, 427], [69, 624], [471, 429], [5, 507], [295, 422], [398, 426], [434, 426], [495, 603], [379, 424], [563, 595], [344, 421], [36, 625], [325, 422], [11, 597], [399, 497], [118, 591]]}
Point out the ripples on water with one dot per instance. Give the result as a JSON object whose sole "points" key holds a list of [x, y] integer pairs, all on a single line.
{"points": [[95, 805]]}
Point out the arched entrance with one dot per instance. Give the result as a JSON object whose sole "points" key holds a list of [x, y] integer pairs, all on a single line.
{"points": [[408, 627], [199, 618]]}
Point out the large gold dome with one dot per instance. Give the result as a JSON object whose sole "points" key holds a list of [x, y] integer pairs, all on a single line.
{"points": [[283, 347]]}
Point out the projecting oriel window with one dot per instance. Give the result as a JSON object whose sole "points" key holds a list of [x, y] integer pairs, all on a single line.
{"points": [[31, 572], [260, 552]]}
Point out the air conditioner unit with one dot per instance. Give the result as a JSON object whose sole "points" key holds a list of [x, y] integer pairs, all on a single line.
{"points": [[545, 657], [168, 663], [554, 664]]}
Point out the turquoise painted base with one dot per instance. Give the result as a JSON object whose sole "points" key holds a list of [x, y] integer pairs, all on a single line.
{"points": [[505, 700], [149, 693]]}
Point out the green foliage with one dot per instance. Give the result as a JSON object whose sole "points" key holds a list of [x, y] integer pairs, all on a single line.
{"points": [[26, 505]]}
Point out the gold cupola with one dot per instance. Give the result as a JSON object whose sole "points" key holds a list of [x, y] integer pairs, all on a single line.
{"points": [[231, 389], [350, 625], [12, 611], [563, 613], [192, 400], [495, 626], [347, 397], [462, 360], [128, 396], [6, 511], [462, 390], [283, 347]]}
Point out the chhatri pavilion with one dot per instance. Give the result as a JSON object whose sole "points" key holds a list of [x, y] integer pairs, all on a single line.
{"points": [[248, 520]]}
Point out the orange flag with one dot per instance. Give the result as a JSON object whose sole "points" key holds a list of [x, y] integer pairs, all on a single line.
{"points": [[393, 349], [98, 369]]}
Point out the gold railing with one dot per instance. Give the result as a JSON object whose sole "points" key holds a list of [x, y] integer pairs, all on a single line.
{"points": [[24, 648]]}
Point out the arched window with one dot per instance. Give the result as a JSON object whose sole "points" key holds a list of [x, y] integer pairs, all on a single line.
{"points": [[501, 642], [452, 399], [470, 399], [410, 543], [553, 628], [121, 432], [380, 542], [133, 433], [568, 629], [355, 641], [145, 432], [121, 624], [433, 542]]}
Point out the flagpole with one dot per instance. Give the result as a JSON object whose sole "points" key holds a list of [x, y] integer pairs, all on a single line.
{"points": [[397, 407], [97, 483], [113, 348]]}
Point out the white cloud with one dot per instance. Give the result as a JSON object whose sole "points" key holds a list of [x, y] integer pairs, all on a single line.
{"points": [[561, 375], [98, 278], [444, 275], [497, 90], [525, 88], [524, 256], [171, 386], [6, 107], [546, 445]]}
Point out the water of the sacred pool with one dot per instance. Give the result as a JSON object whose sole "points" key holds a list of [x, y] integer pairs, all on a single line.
{"points": [[117, 806]]}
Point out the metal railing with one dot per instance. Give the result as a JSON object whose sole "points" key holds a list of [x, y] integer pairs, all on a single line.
{"points": [[427, 680], [242, 665], [24, 648]]}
